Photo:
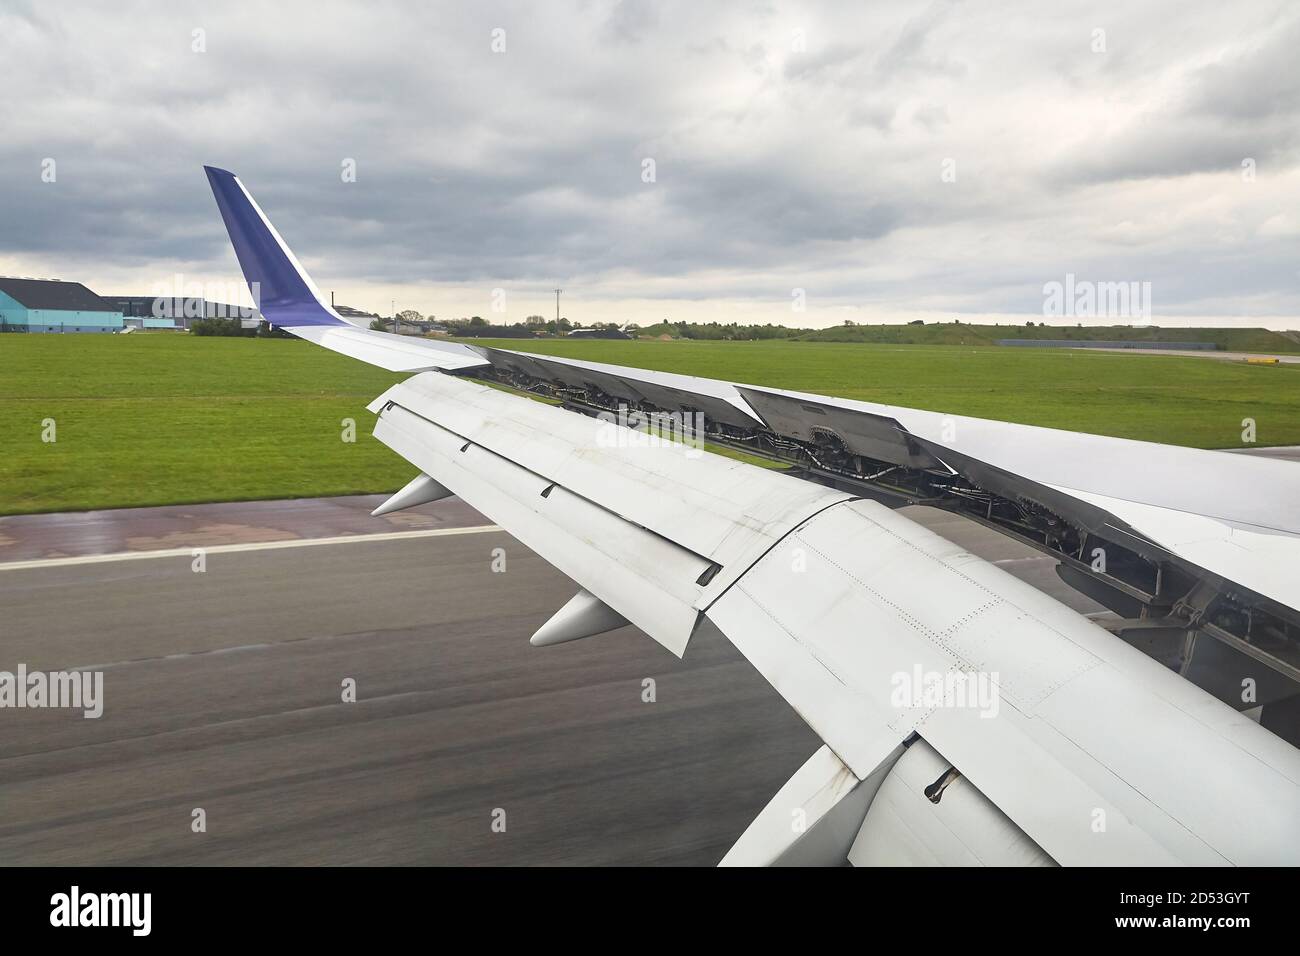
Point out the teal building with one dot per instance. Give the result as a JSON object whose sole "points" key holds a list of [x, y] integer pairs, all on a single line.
{"points": [[48, 305]]}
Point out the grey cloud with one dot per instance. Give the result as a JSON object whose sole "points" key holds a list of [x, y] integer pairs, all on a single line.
{"points": [[630, 20], [1259, 83], [1245, 104]]}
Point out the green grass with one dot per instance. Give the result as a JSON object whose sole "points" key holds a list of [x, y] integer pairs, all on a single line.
{"points": [[951, 333], [171, 419], [954, 333]]}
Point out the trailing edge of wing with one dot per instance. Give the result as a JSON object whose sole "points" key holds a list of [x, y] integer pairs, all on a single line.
{"points": [[653, 531]]}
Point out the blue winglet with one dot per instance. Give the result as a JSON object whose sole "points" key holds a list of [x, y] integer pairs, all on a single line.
{"points": [[280, 286]]}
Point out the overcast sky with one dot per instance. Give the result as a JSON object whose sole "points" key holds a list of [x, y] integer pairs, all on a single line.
{"points": [[905, 161]]}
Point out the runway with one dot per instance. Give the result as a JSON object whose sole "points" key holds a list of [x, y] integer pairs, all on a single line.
{"points": [[222, 691], [1283, 358]]}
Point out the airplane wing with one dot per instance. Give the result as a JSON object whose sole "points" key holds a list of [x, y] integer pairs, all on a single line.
{"points": [[1176, 541], [967, 717]]}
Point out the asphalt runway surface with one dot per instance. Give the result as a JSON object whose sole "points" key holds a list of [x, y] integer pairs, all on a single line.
{"points": [[223, 691]]}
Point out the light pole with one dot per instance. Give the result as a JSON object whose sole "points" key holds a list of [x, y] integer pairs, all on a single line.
{"points": [[557, 309]]}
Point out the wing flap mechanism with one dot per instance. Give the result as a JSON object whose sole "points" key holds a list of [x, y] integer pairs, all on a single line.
{"points": [[874, 629], [420, 490], [925, 813], [648, 579], [913, 809], [584, 616], [813, 819], [651, 532]]}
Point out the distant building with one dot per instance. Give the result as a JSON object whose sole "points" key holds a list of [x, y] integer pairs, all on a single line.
{"points": [[599, 334], [49, 305], [364, 319], [171, 312], [404, 326], [356, 316]]}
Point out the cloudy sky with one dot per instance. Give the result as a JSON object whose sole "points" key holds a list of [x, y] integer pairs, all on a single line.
{"points": [[691, 161]]}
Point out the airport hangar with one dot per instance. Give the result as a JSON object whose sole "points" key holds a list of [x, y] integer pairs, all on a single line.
{"points": [[47, 305], [53, 305]]}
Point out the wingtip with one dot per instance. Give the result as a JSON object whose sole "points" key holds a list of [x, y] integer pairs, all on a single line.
{"points": [[218, 171]]}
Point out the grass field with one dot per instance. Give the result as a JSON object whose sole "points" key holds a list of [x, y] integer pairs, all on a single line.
{"points": [[965, 333], [949, 333], [1180, 401], [168, 419]]}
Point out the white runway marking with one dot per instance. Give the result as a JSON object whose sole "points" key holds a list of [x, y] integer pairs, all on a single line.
{"points": [[250, 546]]}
